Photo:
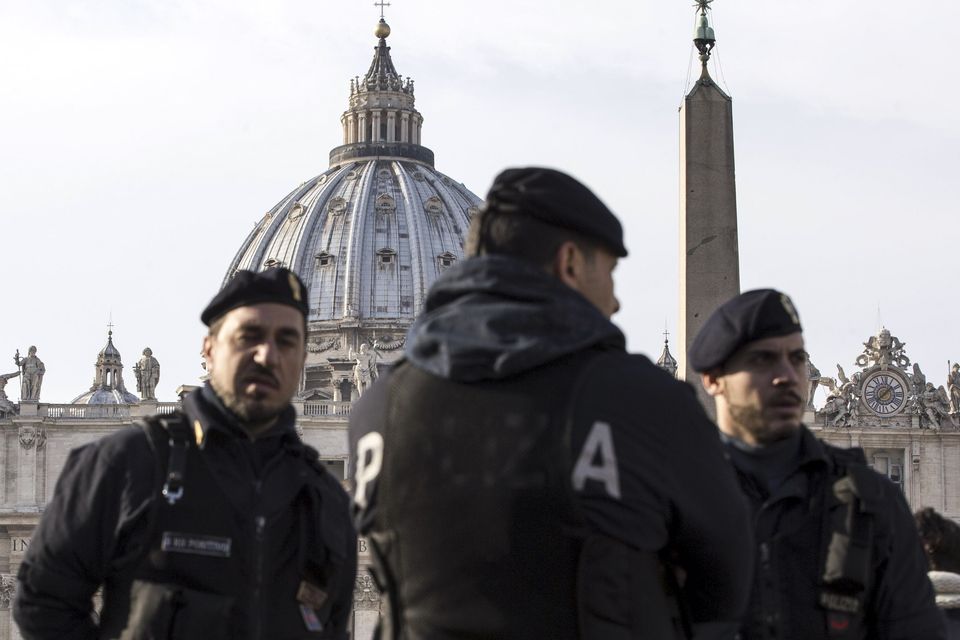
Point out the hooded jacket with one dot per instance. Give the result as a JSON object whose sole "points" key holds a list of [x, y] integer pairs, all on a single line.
{"points": [[516, 433]]}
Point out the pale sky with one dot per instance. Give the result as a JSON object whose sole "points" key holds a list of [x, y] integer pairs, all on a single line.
{"points": [[140, 140]]}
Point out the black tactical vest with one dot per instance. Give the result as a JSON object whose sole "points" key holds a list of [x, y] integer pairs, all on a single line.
{"points": [[476, 530], [210, 569], [813, 581]]}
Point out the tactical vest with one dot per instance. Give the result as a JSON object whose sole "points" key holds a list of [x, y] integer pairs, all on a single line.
{"points": [[814, 582], [201, 573], [493, 545]]}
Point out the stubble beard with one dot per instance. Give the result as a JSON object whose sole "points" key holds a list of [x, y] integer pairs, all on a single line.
{"points": [[250, 411], [749, 419]]}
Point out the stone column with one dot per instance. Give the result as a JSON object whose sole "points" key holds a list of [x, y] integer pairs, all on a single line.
{"points": [[709, 249], [404, 127], [391, 126], [375, 137], [27, 458], [363, 127], [351, 128]]}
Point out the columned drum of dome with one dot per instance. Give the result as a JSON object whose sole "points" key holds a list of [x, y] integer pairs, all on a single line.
{"points": [[369, 235]]}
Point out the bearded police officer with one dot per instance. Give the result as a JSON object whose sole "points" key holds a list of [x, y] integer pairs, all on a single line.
{"points": [[837, 552], [517, 473], [212, 523]]}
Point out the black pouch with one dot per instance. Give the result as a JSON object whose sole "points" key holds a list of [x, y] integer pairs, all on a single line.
{"points": [[622, 594], [171, 612]]}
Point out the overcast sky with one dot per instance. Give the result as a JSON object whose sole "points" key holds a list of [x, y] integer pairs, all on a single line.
{"points": [[140, 140]]}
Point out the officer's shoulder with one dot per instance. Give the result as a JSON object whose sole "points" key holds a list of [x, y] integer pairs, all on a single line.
{"points": [[629, 372], [321, 477], [873, 487]]}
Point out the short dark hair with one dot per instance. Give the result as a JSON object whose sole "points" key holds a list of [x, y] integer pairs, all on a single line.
{"points": [[941, 540], [522, 237]]}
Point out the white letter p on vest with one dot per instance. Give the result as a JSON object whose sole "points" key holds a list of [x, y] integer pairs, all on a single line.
{"points": [[370, 445]]}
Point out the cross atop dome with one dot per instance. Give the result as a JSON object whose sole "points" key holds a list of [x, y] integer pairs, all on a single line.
{"points": [[381, 120]]}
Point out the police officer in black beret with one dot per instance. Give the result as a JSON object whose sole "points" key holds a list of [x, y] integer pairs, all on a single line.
{"points": [[518, 474], [214, 522], [837, 552]]}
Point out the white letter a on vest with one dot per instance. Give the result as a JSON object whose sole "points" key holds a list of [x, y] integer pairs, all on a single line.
{"points": [[598, 461]]}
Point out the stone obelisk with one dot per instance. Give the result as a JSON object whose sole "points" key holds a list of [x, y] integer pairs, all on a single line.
{"points": [[709, 254]]}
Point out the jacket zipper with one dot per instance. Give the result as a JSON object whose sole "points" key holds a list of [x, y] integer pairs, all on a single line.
{"points": [[259, 524]]}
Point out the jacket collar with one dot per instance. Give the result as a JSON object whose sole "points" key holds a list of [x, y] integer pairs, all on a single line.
{"points": [[208, 414]]}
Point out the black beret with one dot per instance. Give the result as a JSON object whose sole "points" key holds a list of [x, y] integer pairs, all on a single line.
{"points": [[276, 284], [761, 313], [555, 198]]}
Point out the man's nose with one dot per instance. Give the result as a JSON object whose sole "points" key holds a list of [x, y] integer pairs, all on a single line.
{"points": [[785, 373], [266, 353]]}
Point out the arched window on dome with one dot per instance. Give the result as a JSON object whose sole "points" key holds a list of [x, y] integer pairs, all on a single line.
{"points": [[386, 257], [325, 259], [385, 203], [296, 211], [270, 263], [433, 205], [337, 206], [446, 259]]}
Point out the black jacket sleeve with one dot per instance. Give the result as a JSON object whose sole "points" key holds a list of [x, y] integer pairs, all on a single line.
{"points": [[678, 494], [904, 606], [342, 608], [82, 536]]}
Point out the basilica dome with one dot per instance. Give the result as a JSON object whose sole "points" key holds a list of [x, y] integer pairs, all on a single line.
{"points": [[370, 234]]}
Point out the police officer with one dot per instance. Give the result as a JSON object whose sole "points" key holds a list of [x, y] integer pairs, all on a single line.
{"points": [[837, 552], [518, 474], [215, 522]]}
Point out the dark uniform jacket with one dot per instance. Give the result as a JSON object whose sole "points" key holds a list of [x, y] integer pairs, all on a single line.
{"points": [[519, 466], [256, 519], [794, 525]]}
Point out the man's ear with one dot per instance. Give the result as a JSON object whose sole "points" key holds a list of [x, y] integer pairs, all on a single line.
{"points": [[712, 381], [567, 264], [206, 349]]}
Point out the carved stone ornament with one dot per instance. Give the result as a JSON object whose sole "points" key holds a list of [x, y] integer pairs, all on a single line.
{"points": [[296, 211], [365, 593], [352, 175], [337, 206], [389, 343], [32, 437], [883, 350], [323, 345], [418, 176], [8, 588]]}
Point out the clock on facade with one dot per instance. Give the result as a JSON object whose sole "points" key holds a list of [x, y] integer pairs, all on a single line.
{"points": [[884, 393]]}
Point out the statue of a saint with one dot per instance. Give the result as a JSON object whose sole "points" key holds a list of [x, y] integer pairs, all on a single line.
{"points": [[6, 407], [147, 372], [365, 371], [32, 370], [953, 386]]}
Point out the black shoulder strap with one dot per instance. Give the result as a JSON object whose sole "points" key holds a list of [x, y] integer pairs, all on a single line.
{"points": [[851, 502], [179, 438]]}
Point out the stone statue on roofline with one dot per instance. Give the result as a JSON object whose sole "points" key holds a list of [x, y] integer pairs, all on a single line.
{"points": [[6, 407], [31, 370], [147, 372], [953, 386]]}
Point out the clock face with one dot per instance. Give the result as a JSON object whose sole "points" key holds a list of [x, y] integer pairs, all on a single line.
{"points": [[884, 393]]}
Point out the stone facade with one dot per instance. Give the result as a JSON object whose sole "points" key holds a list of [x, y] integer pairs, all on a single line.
{"points": [[904, 423]]}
